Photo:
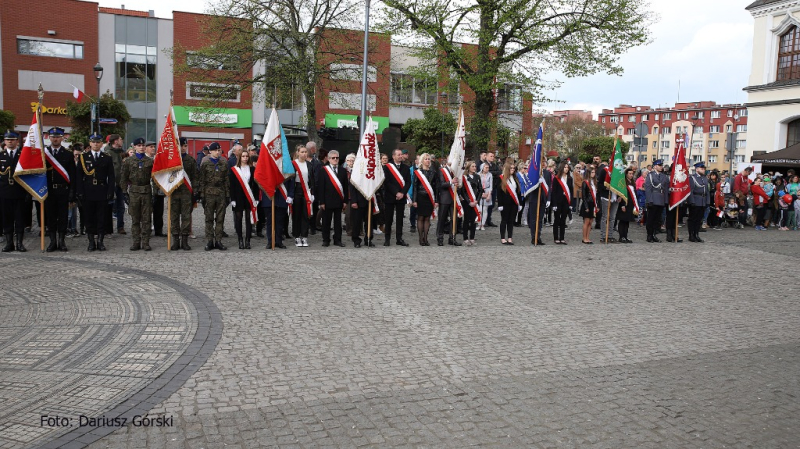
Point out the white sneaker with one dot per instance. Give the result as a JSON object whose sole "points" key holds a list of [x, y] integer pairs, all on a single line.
{"points": [[297, 242], [305, 242], [378, 232]]}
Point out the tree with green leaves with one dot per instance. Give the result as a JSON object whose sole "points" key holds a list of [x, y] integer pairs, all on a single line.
{"points": [[7, 119], [433, 133], [600, 146], [517, 41], [567, 136], [80, 117]]}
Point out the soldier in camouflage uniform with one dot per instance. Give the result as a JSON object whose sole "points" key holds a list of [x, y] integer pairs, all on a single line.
{"points": [[213, 188], [135, 185], [181, 206]]}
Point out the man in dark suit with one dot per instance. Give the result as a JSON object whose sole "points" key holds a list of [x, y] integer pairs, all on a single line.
{"points": [[60, 173], [395, 187], [332, 194], [12, 195], [94, 187]]}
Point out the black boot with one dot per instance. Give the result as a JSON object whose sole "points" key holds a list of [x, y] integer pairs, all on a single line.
{"points": [[176, 243], [691, 237], [209, 245], [241, 243], [62, 244], [92, 246], [247, 243], [9, 243], [697, 238], [100, 245], [53, 243], [185, 243], [20, 246], [220, 246]]}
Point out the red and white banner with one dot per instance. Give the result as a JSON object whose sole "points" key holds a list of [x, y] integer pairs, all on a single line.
{"points": [[168, 172], [269, 172], [472, 197], [452, 190], [304, 184], [335, 181], [367, 175], [455, 160], [237, 171], [428, 189], [679, 179]]}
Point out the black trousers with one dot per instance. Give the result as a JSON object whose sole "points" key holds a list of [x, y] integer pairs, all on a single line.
{"points": [[56, 212], [280, 214], [332, 214], [158, 214], [13, 215], [240, 213], [622, 228], [469, 221], [394, 212], [532, 216], [300, 218], [670, 223], [358, 223], [760, 213], [442, 223], [262, 216], [507, 217], [696, 218], [94, 213], [560, 222], [654, 219]]}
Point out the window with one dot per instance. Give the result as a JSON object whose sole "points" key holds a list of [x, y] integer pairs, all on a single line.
{"points": [[712, 159], [630, 131], [653, 159], [667, 116], [715, 114], [793, 134], [657, 117], [666, 130], [632, 118], [509, 98], [701, 115], [289, 97], [742, 112], [696, 158], [655, 144], [728, 128], [665, 144], [789, 55], [645, 118], [630, 157], [739, 158], [713, 144], [54, 49], [713, 129], [730, 113], [741, 144], [603, 120], [741, 128], [698, 130], [136, 72], [408, 89]]}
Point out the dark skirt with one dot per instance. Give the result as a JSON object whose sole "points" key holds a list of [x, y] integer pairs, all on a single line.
{"points": [[424, 206]]}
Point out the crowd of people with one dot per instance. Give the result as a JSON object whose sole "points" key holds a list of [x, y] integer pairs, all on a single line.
{"points": [[92, 189]]}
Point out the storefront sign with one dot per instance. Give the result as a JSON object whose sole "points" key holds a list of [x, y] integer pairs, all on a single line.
{"points": [[227, 118], [46, 110], [211, 118], [351, 121]]}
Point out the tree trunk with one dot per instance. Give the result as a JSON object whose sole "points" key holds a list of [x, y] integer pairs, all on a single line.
{"points": [[311, 112], [481, 84]]}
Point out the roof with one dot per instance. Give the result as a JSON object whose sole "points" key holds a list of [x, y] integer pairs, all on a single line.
{"points": [[124, 12], [787, 157], [773, 85], [759, 3]]}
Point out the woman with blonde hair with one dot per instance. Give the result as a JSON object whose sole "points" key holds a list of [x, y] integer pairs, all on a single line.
{"points": [[303, 196], [425, 197]]}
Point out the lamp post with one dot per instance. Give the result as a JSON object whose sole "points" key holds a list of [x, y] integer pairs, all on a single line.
{"points": [[98, 74]]}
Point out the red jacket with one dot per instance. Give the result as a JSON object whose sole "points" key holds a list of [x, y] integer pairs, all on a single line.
{"points": [[759, 195], [741, 183], [719, 197]]}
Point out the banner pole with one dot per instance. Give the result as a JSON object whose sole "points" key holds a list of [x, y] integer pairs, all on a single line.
{"points": [[169, 222], [39, 123], [677, 214], [369, 221], [538, 220], [607, 217], [42, 225], [272, 200], [453, 234]]}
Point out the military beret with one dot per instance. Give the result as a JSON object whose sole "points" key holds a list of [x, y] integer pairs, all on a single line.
{"points": [[658, 162], [205, 148], [139, 141], [95, 138], [700, 164], [56, 131], [183, 141], [150, 143], [10, 135], [213, 146]]}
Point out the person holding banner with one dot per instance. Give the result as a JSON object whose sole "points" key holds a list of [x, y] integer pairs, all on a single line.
{"points": [[509, 202], [471, 190], [445, 186], [12, 194], [539, 200], [303, 196], [425, 197], [656, 190], [244, 197], [213, 188], [134, 184], [588, 207], [561, 198], [60, 172], [630, 211], [283, 197], [331, 181], [395, 194], [698, 201], [182, 202]]}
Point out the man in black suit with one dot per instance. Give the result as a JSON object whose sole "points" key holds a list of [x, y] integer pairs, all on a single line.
{"points": [[60, 173], [94, 187], [12, 195], [332, 194], [395, 195]]}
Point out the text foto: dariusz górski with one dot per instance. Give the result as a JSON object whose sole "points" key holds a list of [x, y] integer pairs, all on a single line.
{"points": [[105, 421]]}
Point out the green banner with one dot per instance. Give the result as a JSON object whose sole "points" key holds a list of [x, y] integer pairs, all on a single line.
{"points": [[351, 121], [218, 118], [618, 183]]}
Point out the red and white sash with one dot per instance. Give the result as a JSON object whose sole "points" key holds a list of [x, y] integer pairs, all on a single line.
{"points": [[452, 190], [335, 181], [427, 185], [472, 197], [397, 176], [632, 196], [306, 189], [513, 192], [565, 189], [57, 165], [246, 189], [594, 196]]}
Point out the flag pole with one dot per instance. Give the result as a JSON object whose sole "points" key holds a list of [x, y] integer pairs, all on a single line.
{"points": [[41, 136], [169, 222], [272, 200], [455, 198], [677, 214], [608, 209], [369, 222], [538, 205]]}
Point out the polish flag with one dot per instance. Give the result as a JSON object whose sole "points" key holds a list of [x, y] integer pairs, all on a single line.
{"points": [[77, 94]]}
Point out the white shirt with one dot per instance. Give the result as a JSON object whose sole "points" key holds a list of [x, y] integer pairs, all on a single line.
{"points": [[244, 172], [303, 170], [512, 184]]}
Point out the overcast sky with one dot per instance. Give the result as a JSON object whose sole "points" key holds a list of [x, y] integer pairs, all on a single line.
{"points": [[704, 44]]}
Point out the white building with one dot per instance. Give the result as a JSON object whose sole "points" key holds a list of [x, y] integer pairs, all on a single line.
{"points": [[773, 99]]}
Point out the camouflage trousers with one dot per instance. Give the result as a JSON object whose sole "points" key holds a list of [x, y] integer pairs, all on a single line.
{"points": [[181, 213], [141, 212], [214, 207]]}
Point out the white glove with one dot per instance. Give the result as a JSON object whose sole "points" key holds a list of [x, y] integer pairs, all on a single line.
{"points": [[519, 208], [555, 208], [547, 204], [500, 208], [255, 203], [312, 198], [233, 203], [289, 200]]}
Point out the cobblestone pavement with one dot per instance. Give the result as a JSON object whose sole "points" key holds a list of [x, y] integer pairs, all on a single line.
{"points": [[576, 346]]}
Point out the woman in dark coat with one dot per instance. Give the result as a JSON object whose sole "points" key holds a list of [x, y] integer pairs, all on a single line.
{"points": [[422, 197], [561, 197], [509, 202], [471, 190], [588, 208], [629, 211], [240, 198]]}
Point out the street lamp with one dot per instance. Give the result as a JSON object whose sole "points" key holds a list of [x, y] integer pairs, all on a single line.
{"points": [[98, 74]]}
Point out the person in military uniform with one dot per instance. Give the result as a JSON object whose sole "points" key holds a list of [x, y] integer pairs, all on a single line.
{"points": [[656, 190], [135, 186], [182, 202], [213, 188], [698, 201], [12, 195], [94, 188], [60, 172]]}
